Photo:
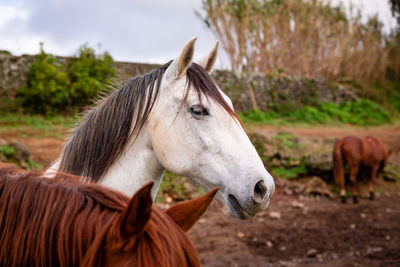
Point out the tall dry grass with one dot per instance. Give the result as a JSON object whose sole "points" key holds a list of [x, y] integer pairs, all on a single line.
{"points": [[301, 37]]}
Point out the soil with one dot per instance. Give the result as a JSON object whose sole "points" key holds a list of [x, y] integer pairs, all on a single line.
{"points": [[304, 231], [295, 230]]}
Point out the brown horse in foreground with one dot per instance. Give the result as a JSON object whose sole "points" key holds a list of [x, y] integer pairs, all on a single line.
{"points": [[368, 153], [64, 222]]}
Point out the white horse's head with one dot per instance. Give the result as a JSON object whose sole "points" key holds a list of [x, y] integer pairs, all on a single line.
{"points": [[195, 132]]}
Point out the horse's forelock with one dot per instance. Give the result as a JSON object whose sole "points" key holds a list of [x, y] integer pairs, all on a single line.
{"points": [[201, 81]]}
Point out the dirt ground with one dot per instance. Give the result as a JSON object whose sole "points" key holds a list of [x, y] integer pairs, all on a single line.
{"points": [[304, 231], [295, 230]]}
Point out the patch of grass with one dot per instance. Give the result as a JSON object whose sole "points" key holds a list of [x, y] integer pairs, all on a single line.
{"points": [[171, 185], [32, 165], [42, 126], [174, 186], [286, 139], [290, 173], [258, 116], [392, 171], [7, 151], [361, 112]]}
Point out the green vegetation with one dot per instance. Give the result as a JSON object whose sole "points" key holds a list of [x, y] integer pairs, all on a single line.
{"points": [[286, 139], [290, 173], [361, 112], [89, 74], [37, 125], [5, 52], [392, 171], [54, 87], [173, 188], [7, 151], [32, 165], [47, 89], [11, 155]]}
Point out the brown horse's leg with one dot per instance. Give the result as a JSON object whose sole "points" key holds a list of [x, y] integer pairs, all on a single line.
{"points": [[372, 178], [353, 180], [342, 189]]}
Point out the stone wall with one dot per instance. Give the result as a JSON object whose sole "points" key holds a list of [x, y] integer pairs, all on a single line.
{"points": [[279, 90], [267, 90]]}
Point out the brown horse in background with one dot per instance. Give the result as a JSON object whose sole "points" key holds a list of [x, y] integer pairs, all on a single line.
{"points": [[368, 153], [64, 222]]}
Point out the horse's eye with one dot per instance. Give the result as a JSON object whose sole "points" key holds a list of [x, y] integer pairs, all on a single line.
{"points": [[198, 111]]}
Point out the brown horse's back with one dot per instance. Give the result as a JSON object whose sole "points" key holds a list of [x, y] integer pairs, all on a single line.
{"points": [[375, 152], [351, 150]]}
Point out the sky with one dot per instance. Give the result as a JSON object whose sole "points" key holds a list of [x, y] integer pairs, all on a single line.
{"points": [[148, 31]]}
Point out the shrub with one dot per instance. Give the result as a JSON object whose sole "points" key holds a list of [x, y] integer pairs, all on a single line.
{"points": [[53, 87], [88, 74], [47, 88]]}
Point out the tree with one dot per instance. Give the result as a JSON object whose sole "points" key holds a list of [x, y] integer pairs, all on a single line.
{"points": [[300, 37], [395, 7]]}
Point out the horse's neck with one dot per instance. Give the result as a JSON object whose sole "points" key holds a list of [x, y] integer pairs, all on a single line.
{"points": [[136, 166]]}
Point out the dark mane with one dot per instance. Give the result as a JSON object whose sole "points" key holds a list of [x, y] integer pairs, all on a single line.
{"points": [[106, 129], [64, 222]]}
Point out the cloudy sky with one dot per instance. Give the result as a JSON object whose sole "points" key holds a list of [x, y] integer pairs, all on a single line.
{"points": [[151, 31]]}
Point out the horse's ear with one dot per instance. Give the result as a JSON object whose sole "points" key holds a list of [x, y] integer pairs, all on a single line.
{"points": [[135, 217], [186, 214], [179, 65], [208, 61]]}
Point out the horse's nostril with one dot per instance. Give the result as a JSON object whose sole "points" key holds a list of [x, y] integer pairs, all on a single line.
{"points": [[260, 191]]}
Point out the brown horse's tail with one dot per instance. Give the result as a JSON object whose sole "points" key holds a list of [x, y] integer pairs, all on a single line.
{"points": [[338, 166]]}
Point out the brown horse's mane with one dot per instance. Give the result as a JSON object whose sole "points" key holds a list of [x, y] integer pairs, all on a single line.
{"points": [[106, 129], [64, 222]]}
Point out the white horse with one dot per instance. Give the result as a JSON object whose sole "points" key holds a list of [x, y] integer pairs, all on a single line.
{"points": [[173, 118]]}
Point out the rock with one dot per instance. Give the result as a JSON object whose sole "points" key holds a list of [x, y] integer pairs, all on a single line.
{"points": [[297, 204], [3, 142], [22, 151], [269, 244], [287, 191], [274, 215], [320, 163], [316, 186], [296, 188], [311, 253], [168, 199], [240, 234]]}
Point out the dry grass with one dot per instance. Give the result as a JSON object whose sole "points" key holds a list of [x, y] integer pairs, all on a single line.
{"points": [[301, 37]]}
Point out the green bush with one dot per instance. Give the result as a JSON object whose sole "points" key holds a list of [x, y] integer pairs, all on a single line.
{"points": [[361, 112], [47, 88], [53, 87], [88, 74]]}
